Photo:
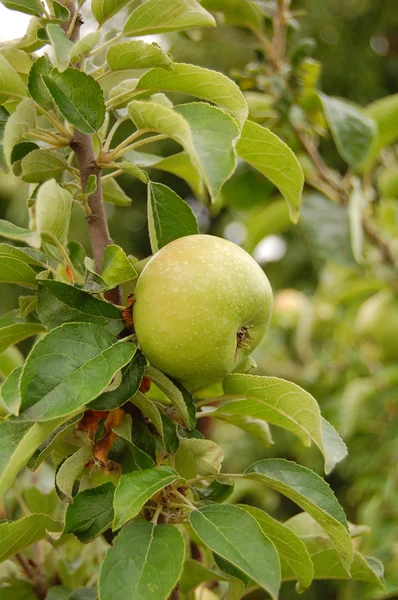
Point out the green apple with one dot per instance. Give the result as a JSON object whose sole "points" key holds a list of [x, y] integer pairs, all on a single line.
{"points": [[377, 326], [202, 305]]}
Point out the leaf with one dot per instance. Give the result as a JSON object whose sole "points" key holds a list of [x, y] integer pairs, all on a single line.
{"points": [[171, 391], [18, 441], [352, 131], [12, 334], [9, 391], [69, 472], [18, 535], [61, 12], [29, 7], [114, 194], [15, 267], [149, 410], [159, 16], [59, 303], [199, 82], [62, 46], [18, 59], [290, 547], [10, 359], [137, 54], [217, 491], [62, 441], [194, 573], [385, 113], [131, 381], [198, 457], [36, 86], [53, 210], [169, 217], [144, 563], [256, 427], [19, 234], [312, 494], [116, 267], [11, 85], [68, 368], [273, 158], [40, 165], [236, 536], [356, 208], [195, 126], [19, 123], [278, 402], [105, 9], [335, 448], [91, 513], [84, 45], [136, 458], [241, 13], [79, 98]]}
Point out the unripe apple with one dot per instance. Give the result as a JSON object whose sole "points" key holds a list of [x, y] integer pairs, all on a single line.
{"points": [[377, 326], [202, 305]]}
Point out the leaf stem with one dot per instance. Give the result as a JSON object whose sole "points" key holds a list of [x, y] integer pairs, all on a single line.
{"points": [[105, 44], [154, 138]]}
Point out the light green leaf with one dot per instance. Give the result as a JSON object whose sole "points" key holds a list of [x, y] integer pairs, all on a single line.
{"points": [[124, 91], [70, 470], [195, 126], [256, 427], [36, 86], [91, 512], [159, 16], [9, 391], [18, 441], [133, 170], [198, 457], [19, 123], [169, 217], [105, 9], [79, 98], [61, 12], [114, 194], [280, 403], [62, 46], [16, 332], [241, 13], [237, 537], [149, 410], [273, 158], [385, 113], [53, 210], [199, 82], [19, 234], [15, 266], [137, 55], [59, 303], [40, 165], [19, 60], [11, 85], [290, 547], [312, 494], [18, 535], [352, 131], [170, 390], [116, 267], [10, 359], [29, 7], [135, 489], [68, 368], [194, 573], [62, 441], [144, 563], [236, 589], [84, 45]]}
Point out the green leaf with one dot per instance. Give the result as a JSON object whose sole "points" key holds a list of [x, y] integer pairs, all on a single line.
{"points": [[84, 45], [10, 359], [36, 86], [149, 410], [194, 573], [137, 55], [29, 7], [4, 114], [19, 60], [11, 85], [18, 441], [62, 46], [195, 126], [79, 98], [9, 391], [19, 123], [199, 82], [114, 194], [133, 170], [91, 513], [169, 217], [159, 16], [290, 547], [18, 535], [40, 165], [352, 131], [59, 303], [61, 12], [105, 9], [280, 403], [256, 427], [16, 332], [273, 158], [144, 563], [171, 391], [15, 267], [69, 472], [53, 210], [217, 491], [385, 113], [116, 267], [62, 441], [131, 381], [241, 13], [68, 368], [236, 536], [19, 234], [135, 458], [198, 457], [135, 489], [312, 494]]}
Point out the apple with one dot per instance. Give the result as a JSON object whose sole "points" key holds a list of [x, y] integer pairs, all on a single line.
{"points": [[202, 305], [377, 326]]}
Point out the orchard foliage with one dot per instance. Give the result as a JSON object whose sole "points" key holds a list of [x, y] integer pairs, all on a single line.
{"points": [[140, 500]]}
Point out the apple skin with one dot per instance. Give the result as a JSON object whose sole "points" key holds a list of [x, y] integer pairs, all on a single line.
{"points": [[377, 326], [192, 300]]}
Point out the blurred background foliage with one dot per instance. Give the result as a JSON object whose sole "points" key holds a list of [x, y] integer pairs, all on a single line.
{"points": [[319, 288]]}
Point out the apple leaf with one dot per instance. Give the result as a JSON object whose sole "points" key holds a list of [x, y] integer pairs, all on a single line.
{"points": [[284, 404], [61, 46], [114, 194], [241, 13], [16, 266], [19, 234], [137, 54], [135, 489], [69, 471], [169, 217], [9, 391], [149, 410], [173, 393], [18, 535], [136, 458], [159, 16], [68, 368], [59, 303], [84, 45], [53, 210], [256, 427], [19, 123], [36, 86], [385, 113], [144, 563], [105, 9], [266, 152], [237, 537], [290, 547], [41, 165], [194, 573], [199, 82], [116, 267], [79, 98], [62, 440], [91, 513], [10, 359], [29, 7], [16, 332], [198, 457], [312, 494], [11, 85]]}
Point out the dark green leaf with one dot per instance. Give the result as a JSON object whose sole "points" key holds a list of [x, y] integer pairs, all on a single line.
{"points": [[36, 86], [91, 512], [217, 491]]}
